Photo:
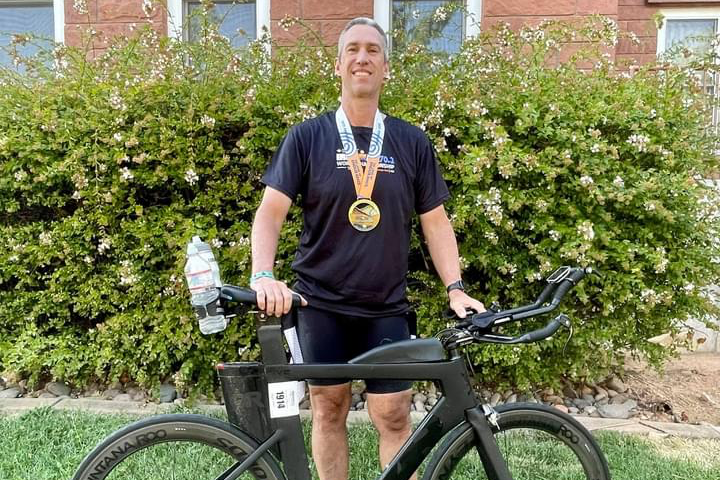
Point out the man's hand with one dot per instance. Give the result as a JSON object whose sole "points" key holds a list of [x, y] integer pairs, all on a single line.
{"points": [[460, 302], [273, 296]]}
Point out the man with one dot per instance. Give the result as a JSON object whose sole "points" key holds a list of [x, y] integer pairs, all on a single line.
{"points": [[361, 176]]}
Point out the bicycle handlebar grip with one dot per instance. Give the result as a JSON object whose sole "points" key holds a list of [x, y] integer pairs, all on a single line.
{"points": [[543, 333], [577, 274], [562, 290], [249, 296]]}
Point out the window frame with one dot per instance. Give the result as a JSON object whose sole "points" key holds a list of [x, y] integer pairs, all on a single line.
{"points": [[58, 14], [176, 10], [383, 10], [700, 13]]}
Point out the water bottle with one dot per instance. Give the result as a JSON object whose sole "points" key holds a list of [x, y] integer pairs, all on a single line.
{"points": [[206, 252], [203, 292]]}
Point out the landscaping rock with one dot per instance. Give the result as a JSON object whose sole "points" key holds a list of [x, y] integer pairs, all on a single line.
{"points": [[569, 392], [616, 384], [357, 387], [136, 394], [167, 393], [305, 405], [10, 393], [562, 408], [356, 398], [419, 406], [511, 399], [57, 388], [617, 410], [495, 399], [110, 394], [122, 397], [419, 397], [46, 395]]}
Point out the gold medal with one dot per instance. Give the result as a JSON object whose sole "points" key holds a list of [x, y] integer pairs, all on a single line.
{"points": [[364, 214]]}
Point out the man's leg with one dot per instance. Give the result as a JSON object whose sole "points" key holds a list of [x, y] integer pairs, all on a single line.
{"points": [[330, 407], [390, 413]]}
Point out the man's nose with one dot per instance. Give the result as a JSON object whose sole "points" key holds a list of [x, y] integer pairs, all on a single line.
{"points": [[362, 56]]}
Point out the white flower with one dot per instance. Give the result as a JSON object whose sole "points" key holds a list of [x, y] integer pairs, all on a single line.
{"points": [[191, 177], [126, 174], [116, 101], [639, 141], [216, 242], [554, 234], [88, 259], [440, 14], [20, 175], [45, 238], [586, 230], [618, 182], [80, 6], [147, 7], [118, 137], [416, 14], [491, 236], [207, 121], [650, 206], [595, 148], [653, 113], [586, 180], [104, 245]]}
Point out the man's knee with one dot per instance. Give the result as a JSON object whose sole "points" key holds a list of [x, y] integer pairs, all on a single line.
{"points": [[390, 412], [330, 404]]}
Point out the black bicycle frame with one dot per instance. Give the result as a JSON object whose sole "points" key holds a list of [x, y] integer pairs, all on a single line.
{"points": [[457, 405]]}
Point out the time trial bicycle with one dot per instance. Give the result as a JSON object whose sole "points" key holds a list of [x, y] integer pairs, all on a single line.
{"points": [[463, 437]]}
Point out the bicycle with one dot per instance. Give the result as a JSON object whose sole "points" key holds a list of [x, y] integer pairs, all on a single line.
{"points": [[473, 440]]}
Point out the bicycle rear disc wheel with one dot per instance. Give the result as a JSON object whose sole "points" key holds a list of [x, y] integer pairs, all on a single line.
{"points": [[176, 447], [537, 443]]}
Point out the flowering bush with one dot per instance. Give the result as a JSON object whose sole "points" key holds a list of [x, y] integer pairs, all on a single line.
{"points": [[108, 167]]}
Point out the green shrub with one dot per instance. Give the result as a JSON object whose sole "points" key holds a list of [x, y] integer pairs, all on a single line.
{"points": [[108, 167]]}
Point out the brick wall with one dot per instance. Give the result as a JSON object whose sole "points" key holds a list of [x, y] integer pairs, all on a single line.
{"points": [[108, 18], [327, 18]]}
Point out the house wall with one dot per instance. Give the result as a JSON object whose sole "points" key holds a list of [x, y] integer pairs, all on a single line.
{"points": [[108, 18]]}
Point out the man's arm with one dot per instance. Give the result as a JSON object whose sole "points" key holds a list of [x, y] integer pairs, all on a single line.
{"points": [[442, 244], [273, 296]]}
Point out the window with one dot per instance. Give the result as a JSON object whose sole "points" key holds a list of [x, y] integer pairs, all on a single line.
{"points": [[41, 18], [433, 23], [693, 28], [240, 21]]}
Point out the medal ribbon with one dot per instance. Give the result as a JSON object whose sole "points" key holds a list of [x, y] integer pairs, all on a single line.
{"points": [[363, 179]]}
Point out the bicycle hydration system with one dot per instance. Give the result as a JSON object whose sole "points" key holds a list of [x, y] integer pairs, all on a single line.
{"points": [[473, 440]]}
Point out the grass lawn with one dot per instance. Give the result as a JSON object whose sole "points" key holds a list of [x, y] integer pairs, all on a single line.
{"points": [[46, 444]]}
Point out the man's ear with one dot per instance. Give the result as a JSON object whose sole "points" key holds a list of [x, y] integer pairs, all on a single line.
{"points": [[337, 67]]}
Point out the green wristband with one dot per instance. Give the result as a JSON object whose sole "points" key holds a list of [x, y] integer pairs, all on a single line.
{"points": [[262, 274]]}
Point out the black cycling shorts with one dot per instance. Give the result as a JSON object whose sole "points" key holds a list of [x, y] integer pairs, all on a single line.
{"points": [[328, 337]]}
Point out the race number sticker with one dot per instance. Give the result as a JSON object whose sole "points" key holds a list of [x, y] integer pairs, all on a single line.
{"points": [[284, 400]]}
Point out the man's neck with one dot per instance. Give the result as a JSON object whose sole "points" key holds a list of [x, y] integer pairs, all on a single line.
{"points": [[360, 111]]}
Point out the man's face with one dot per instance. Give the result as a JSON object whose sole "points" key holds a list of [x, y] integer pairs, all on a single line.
{"points": [[362, 64]]}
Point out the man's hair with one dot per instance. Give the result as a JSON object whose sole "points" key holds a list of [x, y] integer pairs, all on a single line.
{"points": [[364, 21]]}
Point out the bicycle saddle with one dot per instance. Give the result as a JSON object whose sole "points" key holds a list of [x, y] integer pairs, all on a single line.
{"points": [[404, 351]]}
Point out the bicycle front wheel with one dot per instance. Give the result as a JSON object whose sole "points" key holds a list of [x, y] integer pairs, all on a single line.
{"points": [[175, 447], [537, 442]]}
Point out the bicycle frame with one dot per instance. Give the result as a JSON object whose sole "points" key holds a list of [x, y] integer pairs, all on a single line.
{"points": [[458, 404]]}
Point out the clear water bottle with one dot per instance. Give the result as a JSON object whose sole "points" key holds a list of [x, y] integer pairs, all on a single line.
{"points": [[203, 292], [206, 252]]}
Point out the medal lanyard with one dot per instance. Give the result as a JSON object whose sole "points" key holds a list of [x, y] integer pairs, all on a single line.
{"points": [[363, 179]]}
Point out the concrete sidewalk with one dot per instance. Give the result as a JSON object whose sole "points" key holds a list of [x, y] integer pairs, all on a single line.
{"points": [[17, 406]]}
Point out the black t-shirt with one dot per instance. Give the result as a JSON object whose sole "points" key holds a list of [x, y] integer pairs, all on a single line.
{"points": [[339, 268]]}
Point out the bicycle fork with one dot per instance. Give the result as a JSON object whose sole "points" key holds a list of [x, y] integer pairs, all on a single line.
{"points": [[483, 419]]}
